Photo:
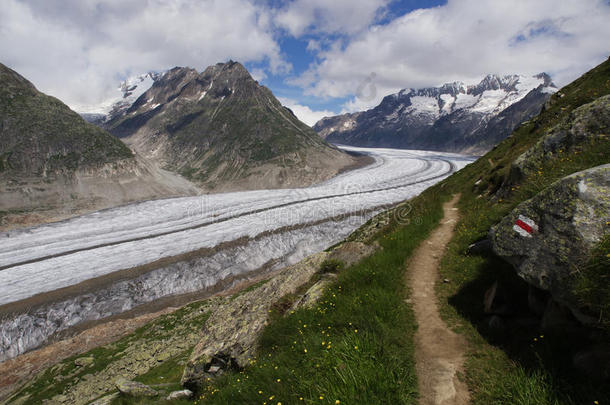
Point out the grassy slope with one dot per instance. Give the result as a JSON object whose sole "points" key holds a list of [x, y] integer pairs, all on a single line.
{"points": [[318, 356], [355, 347], [522, 366], [41, 131]]}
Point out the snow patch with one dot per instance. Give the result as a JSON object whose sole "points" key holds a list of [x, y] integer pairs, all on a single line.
{"points": [[424, 105], [489, 101], [464, 100]]}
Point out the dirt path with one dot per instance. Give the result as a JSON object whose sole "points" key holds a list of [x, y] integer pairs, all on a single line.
{"points": [[439, 352]]}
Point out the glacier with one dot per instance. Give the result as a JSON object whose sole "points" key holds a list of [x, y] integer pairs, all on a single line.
{"points": [[190, 244]]}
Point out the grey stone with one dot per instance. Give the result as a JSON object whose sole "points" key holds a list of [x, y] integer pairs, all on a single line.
{"points": [[497, 323], [351, 252], [134, 388], [558, 319], [593, 362], [586, 123], [314, 293], [229, 336], [480, 247], [571, 217], [84, 361], [183, 394], [496, 302], [537, 300]]}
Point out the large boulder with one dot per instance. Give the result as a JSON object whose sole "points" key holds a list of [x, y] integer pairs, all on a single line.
{"points": [[549, 237]]}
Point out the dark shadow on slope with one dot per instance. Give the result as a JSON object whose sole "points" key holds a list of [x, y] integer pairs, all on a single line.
{"points": [[513, 327]]}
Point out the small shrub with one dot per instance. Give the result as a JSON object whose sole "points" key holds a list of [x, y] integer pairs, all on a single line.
{"points": [[331, 266], [592, 288]]}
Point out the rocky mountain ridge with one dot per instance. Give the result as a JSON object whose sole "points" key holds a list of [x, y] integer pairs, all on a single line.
{"points": [[223, 130], [452, 117]]}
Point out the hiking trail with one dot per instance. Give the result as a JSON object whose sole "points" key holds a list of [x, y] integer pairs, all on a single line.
{"points": [[439, 352]]}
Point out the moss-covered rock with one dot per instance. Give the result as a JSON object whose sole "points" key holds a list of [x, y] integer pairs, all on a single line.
{"points": [[586, 124], [550, 237]]}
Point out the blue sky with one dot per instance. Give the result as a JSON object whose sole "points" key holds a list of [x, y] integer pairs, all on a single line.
{"points": [[296, 52], [315, 55]]}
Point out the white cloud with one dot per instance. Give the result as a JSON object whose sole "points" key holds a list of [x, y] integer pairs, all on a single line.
{"points": [[322, 16], [79, 50], [304, 113], [258, 74], [465, 40]]}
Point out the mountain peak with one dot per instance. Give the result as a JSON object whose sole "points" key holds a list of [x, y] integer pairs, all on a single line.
{"points": [[217, 126], [229, 70], [451, 117], [546, 78]]}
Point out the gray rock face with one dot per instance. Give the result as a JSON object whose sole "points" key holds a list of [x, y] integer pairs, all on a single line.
{"points": [[84, 361], [221, 128], [106, 400], [135, 389], [53, 160], [548, 237], [229, 336]]}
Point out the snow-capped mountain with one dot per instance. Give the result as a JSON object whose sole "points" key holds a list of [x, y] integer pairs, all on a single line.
{"points": [[127, 93], [452, 117], [132, 89]]}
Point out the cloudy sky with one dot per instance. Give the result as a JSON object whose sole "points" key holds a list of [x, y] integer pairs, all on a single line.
{"points": [[320, 57]]}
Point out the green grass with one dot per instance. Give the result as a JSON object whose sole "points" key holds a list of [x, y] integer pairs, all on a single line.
{"points": [[592, 287], [355, 347], [516, 366], [519, 366], [65, 142]]}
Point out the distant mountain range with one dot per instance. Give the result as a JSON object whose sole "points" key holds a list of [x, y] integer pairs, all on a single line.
{"points": [[453, 117], [221, 129]]}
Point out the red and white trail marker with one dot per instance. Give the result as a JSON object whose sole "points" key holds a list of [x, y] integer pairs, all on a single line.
{"points": [[525, 226]]}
